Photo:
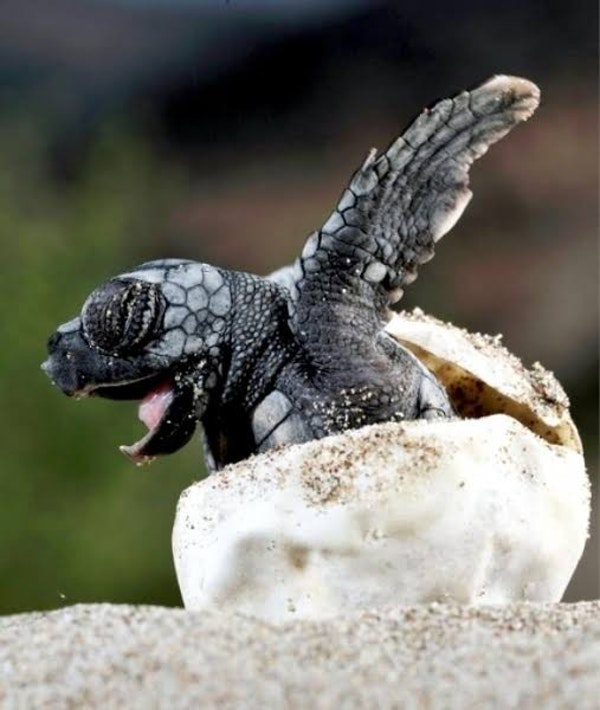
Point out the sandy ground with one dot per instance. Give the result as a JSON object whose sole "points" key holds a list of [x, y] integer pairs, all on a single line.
{"points": [[525, 656]]}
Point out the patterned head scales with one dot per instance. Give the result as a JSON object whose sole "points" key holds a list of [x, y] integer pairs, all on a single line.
{"points": [[152, 334]]}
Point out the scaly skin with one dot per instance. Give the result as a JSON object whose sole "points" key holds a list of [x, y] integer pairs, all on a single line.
{"points": [[302, 354]]}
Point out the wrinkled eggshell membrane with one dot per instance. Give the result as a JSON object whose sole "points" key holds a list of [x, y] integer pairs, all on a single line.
{"points": [[489, 508]]}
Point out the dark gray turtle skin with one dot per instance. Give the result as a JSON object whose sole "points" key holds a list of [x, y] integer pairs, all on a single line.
{"points": [[301, 354]]}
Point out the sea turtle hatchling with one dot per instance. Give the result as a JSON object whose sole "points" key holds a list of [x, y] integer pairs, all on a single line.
{"points": [[302, 353]]}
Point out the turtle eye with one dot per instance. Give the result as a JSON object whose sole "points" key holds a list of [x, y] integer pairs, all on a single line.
{"points": [[122, 315]]}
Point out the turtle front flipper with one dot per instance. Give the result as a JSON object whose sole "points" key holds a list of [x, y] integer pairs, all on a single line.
{"points": [[398, 205]]}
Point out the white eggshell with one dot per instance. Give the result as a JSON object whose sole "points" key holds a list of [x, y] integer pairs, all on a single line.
{"points": [[474, 511]]}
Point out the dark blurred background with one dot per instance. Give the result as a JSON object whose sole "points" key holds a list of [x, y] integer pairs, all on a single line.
{"points": [[224, 132]]}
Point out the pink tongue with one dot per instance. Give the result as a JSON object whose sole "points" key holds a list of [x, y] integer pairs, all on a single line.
{"points": [[155, 404]]}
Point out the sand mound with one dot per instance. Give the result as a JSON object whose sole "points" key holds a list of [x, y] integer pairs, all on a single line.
{"points": [[525, 656]]}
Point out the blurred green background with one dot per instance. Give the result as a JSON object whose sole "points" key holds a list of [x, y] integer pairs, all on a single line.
{"points": [[224, 132]]}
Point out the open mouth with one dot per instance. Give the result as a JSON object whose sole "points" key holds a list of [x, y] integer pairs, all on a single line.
{"points": [[167, 397], [152, 412], [168, 412], [165, 408]]}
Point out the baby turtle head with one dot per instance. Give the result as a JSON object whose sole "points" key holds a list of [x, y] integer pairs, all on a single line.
{"points": [[153, 334]]}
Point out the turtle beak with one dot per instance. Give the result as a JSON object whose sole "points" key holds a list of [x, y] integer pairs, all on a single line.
{"points": [[62, 366]]}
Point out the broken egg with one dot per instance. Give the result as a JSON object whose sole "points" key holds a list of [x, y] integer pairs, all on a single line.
{"points": [[490, 508]]}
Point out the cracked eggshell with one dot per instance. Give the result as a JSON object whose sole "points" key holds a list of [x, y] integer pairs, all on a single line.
{"points": [[483, 377], [484, 510]]}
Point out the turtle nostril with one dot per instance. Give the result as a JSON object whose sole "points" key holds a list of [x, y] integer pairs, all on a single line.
{"points": [[53, 341]]}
